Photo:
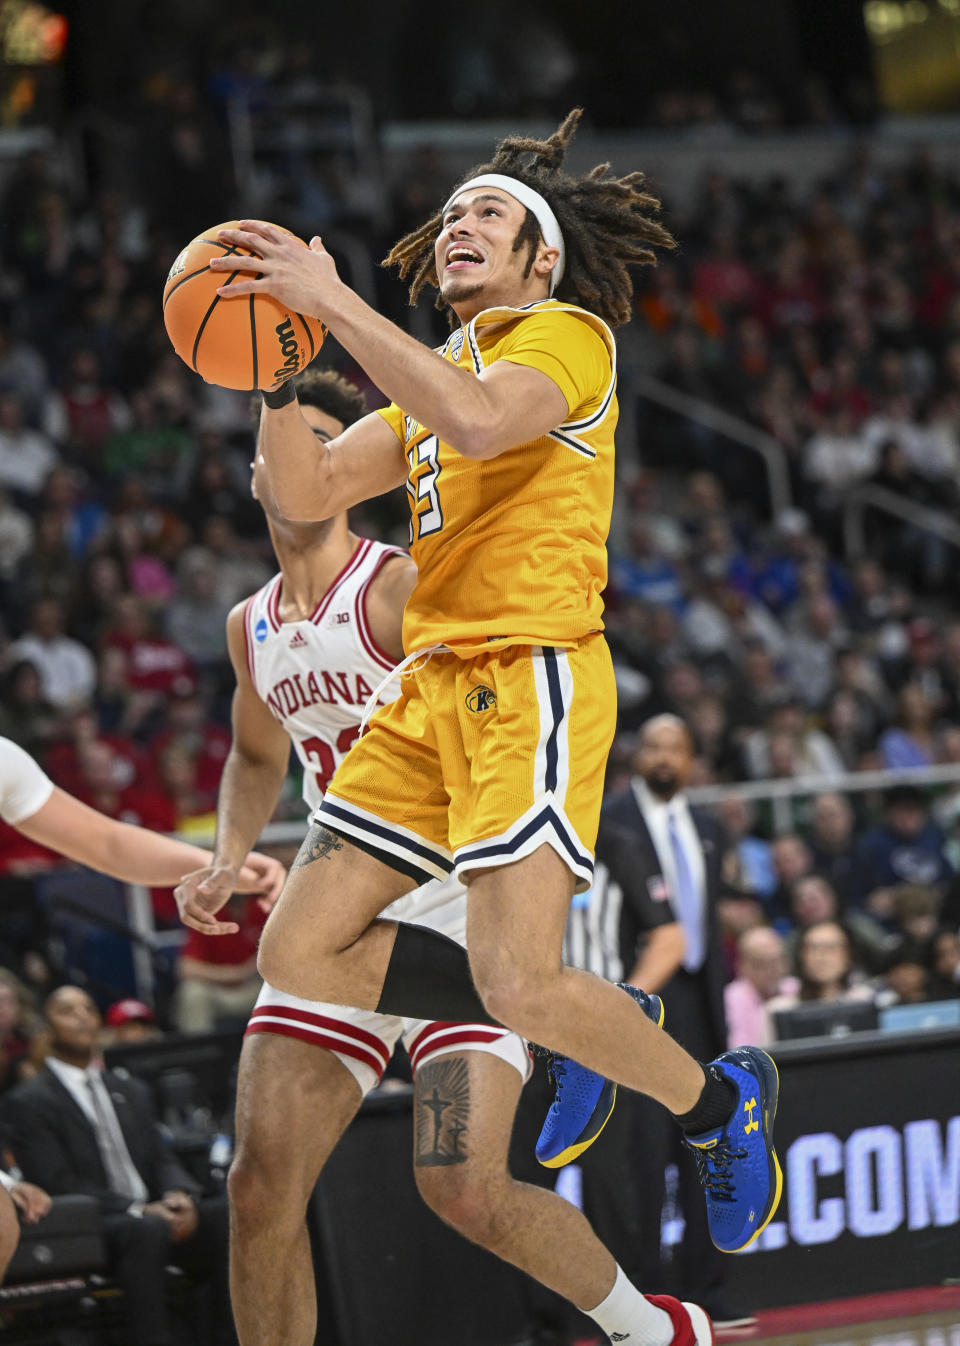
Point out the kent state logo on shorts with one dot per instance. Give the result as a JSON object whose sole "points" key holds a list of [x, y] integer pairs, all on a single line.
{"points": [[480, 698], [260, 630]]}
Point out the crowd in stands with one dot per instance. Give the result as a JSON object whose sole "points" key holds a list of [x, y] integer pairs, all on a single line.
{"points": [[830, 320]]}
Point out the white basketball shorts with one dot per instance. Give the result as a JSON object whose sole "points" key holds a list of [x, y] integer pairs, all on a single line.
{"points": [[364, 1040]]}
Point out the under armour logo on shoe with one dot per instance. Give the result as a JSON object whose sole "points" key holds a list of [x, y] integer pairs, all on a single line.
{"points": [[298, 641], [620, 1336], [752, 1124]]}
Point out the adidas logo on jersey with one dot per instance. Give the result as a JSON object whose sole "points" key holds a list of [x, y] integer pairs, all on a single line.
{"points": [[297, 641]]}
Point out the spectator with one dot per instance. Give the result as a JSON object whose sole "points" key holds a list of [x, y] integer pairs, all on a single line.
{"points": [[155, 666], [812, 899], [16, 537], [18, 1029], [906, 980], [27, 716], [844, 727], [761, 976], [832, 841], [755, 871], [792, 860], [22, 370], [26, 455], [239, 573], [80, 1130], [86, 412], [826, 965], [812, 753], [946, 965], [188, 725], [911, 742], [906, 847], [644, 573], [68, 672], [759, 689], [916, 914], [128, 1022], [196, 618], [810, 654]]}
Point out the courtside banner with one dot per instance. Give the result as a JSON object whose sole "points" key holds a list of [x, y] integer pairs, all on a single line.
{"points": [[868, 1134]]}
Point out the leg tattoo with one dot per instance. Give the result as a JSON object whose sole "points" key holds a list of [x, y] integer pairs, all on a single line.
{"points": [[442, 1094], [317, 845]]}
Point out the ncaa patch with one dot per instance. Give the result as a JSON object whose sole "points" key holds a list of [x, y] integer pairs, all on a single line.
{"points": [[480, 698], [260, 630], [456, 345]]}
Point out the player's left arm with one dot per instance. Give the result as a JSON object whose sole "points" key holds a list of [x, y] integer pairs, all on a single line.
{"points": [[386, 598], [507, 405], [133, 854]]}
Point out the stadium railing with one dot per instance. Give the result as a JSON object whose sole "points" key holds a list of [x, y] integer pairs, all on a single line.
{"points": [[862, 498], [780, 793], [732, 428]]}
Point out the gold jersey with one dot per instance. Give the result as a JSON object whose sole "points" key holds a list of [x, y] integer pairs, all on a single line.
{"points": [[512, 550]]}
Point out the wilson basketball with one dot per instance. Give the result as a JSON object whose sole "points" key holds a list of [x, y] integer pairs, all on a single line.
{"points": [[247, 343]]}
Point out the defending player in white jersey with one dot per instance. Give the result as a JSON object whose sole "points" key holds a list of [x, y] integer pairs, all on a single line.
{"points": [[308, 650]]}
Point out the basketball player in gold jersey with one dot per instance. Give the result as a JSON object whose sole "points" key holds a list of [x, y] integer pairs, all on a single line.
{"points": [[491, 760]]}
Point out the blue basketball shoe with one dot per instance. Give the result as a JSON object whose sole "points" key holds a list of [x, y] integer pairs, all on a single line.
{"points": [[583, 1100], [736, 1163]]}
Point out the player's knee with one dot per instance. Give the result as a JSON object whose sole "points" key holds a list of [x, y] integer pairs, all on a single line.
{"points": [[514, 998], [466, 1201], [254, 1183]]}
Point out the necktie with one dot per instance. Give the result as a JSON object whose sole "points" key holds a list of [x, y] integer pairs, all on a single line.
{"points": [[688, 906], [122, 1175]]}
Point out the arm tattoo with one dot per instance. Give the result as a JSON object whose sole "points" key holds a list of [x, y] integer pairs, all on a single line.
{"points": [[442, 1104], [317, 845]]}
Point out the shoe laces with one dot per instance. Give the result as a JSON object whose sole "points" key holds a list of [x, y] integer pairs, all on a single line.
{"points": [[713, 1168], [556, 1064]]}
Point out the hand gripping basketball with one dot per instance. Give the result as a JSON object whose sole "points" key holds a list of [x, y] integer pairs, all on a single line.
{"points": [[258, 343]]}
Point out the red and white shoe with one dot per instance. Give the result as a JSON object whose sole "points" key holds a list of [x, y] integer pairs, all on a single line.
{"points": [[691, 1326]]}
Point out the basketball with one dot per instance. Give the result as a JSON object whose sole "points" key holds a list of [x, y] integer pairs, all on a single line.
{"points": [[254, 342]]}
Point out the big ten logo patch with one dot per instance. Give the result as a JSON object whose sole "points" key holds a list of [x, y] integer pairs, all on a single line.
{"points": [[480, 698]]}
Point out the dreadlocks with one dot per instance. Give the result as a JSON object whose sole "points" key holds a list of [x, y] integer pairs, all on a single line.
{"points": [[607, 225]]}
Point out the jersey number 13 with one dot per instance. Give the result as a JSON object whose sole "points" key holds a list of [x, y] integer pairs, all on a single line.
{"points": [[426, 516]]}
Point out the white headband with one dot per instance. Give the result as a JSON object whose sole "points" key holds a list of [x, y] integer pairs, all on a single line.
{"points": [[534, 202]]}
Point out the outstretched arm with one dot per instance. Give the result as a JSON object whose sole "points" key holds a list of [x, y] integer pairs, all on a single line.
{"points": [[133, 854], [252, 779]]}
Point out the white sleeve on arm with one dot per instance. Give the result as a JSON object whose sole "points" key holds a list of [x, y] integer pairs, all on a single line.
{"points": [[24, 788]]}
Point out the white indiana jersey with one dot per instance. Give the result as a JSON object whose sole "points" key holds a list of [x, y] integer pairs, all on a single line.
{"points": [[318, 674]]}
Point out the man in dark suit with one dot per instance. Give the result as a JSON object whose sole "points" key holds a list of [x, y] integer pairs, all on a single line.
{"points": [[654, 906], [77, 1129]]}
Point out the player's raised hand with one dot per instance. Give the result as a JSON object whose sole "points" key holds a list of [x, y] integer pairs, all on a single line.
{"points": [[303, 278], [200, 895], [263, 875]]}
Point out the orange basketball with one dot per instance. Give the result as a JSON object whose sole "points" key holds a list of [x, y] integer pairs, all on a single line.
{"points": [[251, 342]]}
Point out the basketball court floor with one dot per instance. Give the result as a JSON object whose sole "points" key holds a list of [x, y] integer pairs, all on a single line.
{"points": [[925, 1317]]}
